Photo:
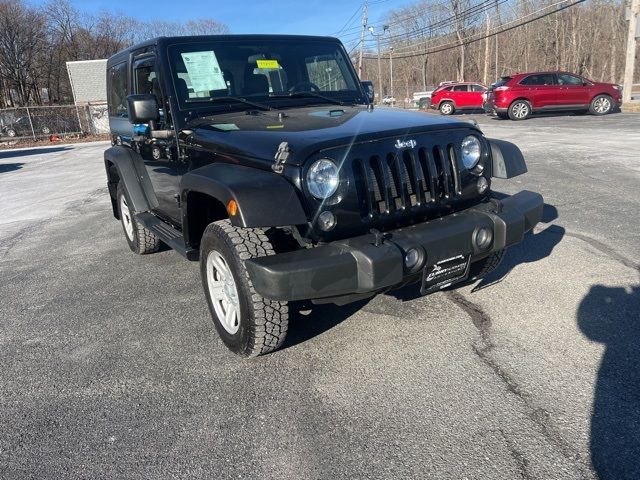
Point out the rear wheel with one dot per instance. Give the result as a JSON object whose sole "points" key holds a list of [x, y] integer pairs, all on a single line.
{"points": [[446, 108], [519, 110], [140, 239], [248, 324], [601, 105], [11, 133]]}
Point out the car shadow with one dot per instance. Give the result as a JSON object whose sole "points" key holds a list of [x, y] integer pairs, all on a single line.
{"points": [[30, 151], [611, 316], [307, 321], [10, 167], [558, 114]]}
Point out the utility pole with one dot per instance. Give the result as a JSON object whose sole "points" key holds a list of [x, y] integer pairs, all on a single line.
{"points": [[364, 28], [377, 37], [631, 51], [391, 75]]}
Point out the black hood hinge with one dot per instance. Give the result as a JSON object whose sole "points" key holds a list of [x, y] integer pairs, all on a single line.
{"points": [[281, 157]]}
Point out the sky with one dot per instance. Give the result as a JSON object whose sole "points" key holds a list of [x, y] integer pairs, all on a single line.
{"points": [[325, 17]]}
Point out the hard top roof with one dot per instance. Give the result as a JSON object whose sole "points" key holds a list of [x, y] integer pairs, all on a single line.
{"points": [[165, 41]]}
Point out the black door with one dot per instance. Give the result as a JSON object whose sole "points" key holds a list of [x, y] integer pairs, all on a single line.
{"points": [[159, 155]]}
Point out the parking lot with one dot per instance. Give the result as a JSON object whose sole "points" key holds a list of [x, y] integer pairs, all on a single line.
{"points": [[111, 367]]}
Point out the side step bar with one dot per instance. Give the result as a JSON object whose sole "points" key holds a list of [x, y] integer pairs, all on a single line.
{"points": [[169, 235]]}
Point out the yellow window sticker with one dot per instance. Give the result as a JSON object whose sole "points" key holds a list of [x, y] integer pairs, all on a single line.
{"points": [[268, 64]]}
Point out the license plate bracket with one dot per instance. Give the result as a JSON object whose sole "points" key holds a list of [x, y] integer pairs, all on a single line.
{"points": [[444, 273]]}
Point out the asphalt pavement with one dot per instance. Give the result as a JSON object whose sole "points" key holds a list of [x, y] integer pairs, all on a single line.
{"points": [[111, 367]]}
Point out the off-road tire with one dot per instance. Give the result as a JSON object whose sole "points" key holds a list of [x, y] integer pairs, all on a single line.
{"points": [[446, 108], [519, 106], [263, 323], [142, 240], [600, 101], [484, 267]]}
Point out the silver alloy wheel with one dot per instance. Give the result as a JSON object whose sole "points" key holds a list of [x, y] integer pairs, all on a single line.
{"points": [[223, 292], [156, 153], [45, 130], [127, 221], [602, 105], [11, 132], [520, 110], [446, 108]]}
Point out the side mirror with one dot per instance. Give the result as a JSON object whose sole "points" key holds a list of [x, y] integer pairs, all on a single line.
{"points": [[143, 108], [367, 86]]}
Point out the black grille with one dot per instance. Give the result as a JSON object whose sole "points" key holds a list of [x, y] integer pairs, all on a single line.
{"points": [[406, 178]]}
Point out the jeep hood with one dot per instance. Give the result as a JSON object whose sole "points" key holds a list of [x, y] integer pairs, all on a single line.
{"points": [[309, 129]]}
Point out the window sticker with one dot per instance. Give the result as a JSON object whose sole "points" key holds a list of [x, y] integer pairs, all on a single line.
{"points": [[268, 63], [204, 71]]}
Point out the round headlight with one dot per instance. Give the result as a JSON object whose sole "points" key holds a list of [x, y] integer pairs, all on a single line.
{"points": [[323, 178], [470, 151]]}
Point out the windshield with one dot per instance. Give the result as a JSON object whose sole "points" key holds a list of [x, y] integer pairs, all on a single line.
{"points": [[264, 71]]}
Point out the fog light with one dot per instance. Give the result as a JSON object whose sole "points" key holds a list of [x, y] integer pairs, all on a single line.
{"points": [[482, 184], [484, 236], [326, 221], [411, 258]]}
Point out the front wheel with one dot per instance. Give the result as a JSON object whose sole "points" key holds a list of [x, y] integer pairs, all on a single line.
{"points": [[248, 324], [601, 105], [447, 108], [519, 110]]}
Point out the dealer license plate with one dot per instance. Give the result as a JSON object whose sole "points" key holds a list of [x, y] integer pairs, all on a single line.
{"points": [[445, 273]]}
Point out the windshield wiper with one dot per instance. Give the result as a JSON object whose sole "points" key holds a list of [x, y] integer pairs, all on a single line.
{"points": [[229, 99], [307, 94]]}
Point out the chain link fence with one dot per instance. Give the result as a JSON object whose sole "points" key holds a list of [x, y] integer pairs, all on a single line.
{"points": [[33, 123]]}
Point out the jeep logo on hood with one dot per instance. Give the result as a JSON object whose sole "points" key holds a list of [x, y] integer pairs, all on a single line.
{"points": [[405, 143]]}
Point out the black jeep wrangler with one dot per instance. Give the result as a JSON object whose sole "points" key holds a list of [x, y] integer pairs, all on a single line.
{"points": [[263, 157]]}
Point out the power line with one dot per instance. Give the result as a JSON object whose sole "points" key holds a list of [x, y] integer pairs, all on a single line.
{"points": [[502, 29], [348, 22], [474, 11]]}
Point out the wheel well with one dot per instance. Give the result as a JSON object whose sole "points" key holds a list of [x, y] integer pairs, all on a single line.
{"points": [[202, 209], [601, 93], [447, 100], [521, 99], [113, 178]]}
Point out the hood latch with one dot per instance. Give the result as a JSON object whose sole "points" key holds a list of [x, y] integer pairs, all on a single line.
{"points": [[281, 157]]}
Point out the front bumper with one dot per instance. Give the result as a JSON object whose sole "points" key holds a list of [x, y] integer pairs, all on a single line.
{"points": [[364, 264]]}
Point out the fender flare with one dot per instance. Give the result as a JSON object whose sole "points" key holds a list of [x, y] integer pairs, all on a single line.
{"points": [[451, 101], [507, 159], [132, 172], [264, 199]]}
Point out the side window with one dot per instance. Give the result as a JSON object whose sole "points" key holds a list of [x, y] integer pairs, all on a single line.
{"points": [[117, 90], [539, 79], [460, 88], [146, 79], [566, 79], [477, 88]]}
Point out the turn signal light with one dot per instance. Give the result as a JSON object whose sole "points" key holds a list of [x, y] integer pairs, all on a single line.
{"points": [[232, 207]]}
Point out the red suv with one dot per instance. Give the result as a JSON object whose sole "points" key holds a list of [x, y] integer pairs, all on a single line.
{"points": [[520, 95], [458, 96]]}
